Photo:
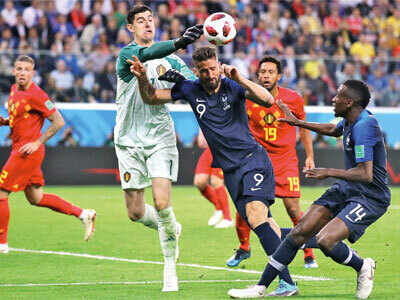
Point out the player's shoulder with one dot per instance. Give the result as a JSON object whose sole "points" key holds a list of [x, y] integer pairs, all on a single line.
{"points": [[289, 95], [37, 91], [129, 50], [366, 119]]}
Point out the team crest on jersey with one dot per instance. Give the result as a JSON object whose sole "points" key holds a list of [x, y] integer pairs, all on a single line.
{"points": [[225, 103], [271, 118], [127, 176], [161, 70]]}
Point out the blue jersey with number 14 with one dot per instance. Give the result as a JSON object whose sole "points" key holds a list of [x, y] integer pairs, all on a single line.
{"points": [[362, 142], [222, 118]]}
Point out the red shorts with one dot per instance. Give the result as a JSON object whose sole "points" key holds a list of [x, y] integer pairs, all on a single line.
{"points": [[287, 181], [204, 165], [22, 171]]}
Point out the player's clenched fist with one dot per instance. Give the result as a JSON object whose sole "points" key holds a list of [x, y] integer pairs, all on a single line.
{"points": [[231, 72]]}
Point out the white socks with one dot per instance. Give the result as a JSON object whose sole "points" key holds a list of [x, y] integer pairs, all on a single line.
{"points": [[150, 217], [167, 233]]}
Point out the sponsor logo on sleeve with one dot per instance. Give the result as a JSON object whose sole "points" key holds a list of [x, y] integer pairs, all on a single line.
{"points": [[49, 104], [359, 149]]}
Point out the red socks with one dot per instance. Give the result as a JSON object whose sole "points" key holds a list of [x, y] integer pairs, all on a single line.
{"points": [[210, 194], [223, 202], [60, 205], [4, 219], [243, 233]]}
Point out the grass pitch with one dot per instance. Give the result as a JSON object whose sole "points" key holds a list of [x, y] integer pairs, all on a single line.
{"points": [[39, 275]]}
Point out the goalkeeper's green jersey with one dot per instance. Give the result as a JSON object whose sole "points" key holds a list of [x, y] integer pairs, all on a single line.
{"points": [[139, 124]]}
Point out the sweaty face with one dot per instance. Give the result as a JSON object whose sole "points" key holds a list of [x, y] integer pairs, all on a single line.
{"points": [[268, 75], [340, 102], [143, 27], [209, 73], [23, 72]]}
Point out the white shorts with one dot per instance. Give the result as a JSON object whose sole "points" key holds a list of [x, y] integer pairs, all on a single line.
{"points": [[137, 166]]}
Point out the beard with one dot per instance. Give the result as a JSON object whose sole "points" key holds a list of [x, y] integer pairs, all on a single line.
{"points": [[210, 85], [272, 86]]}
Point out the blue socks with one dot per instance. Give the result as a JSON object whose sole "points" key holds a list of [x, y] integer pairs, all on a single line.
{"points": [[279, 261], [343, 254], [270, 242]]}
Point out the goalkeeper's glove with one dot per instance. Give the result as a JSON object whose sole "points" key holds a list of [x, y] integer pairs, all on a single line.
{"points": [[172, 76], [190, 36]]}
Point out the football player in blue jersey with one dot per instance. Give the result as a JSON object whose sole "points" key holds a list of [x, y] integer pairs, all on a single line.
{"points": [[219, 104], [359, 198]]}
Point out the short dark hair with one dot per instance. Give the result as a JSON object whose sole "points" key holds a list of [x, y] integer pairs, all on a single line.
{"points": [[273, 60], [137, 9], [25, 58], [204, 53], [357, 91]]}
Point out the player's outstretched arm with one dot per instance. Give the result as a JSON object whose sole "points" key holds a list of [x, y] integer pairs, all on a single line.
{"points": [[254, 92], [57, 122], [164, 48], [362, 172], [149, 94], [322, 128]]}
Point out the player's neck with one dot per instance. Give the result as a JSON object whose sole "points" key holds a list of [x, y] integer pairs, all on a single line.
{"points": [[24, 87], [274, 92], [143, 42], [210, 92], [353, 114]]}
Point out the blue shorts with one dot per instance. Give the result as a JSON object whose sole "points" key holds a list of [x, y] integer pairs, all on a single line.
{"points": [[354, 209], [253, 181]]}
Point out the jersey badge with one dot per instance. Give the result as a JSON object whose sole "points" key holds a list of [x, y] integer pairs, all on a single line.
{"points": [[127, 176], [225, 103], [359, 150], [161, 70], [271, 119]]}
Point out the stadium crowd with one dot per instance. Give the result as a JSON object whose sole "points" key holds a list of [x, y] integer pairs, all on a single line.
{"points": [[321, 43]]}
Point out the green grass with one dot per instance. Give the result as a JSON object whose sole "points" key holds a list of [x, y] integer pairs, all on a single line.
{"points": [[41, 229]]}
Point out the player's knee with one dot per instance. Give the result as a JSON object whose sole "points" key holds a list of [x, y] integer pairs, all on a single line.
{"points": [[135, 215], [325, 242], [200, 183], [298, 235]]}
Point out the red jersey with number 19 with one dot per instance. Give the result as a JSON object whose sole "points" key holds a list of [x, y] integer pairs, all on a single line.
{"points": [[279, 139], [27, 111]]}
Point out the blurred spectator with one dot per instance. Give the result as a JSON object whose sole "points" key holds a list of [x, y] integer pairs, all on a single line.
{"points": [[45, 32], [107, 81], [240, 62], [63, 82], [394, 22], [363, 49], [64, 7], [7, 42], [390, 96], [349, 72], [32, 13], [90, 31], [9, 13], [354, 24], [378, 82], [364, 8], [20, 31], [310, 19], [65, 27], [77, 16], [121, 13]]}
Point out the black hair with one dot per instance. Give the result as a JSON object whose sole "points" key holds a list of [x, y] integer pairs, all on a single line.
{"points": [[273, 60], [357, 91], [137, 9], [204, 53]]}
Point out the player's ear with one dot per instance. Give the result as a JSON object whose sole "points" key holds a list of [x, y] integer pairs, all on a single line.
{"points": [[130, 28], [279, 77]]}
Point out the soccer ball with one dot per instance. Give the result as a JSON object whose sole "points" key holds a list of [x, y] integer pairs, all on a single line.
{"points": [[219, 28]]}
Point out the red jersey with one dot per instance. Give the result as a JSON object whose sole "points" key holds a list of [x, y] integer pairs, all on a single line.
{"points": [[27, 111], [276, 137]]}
